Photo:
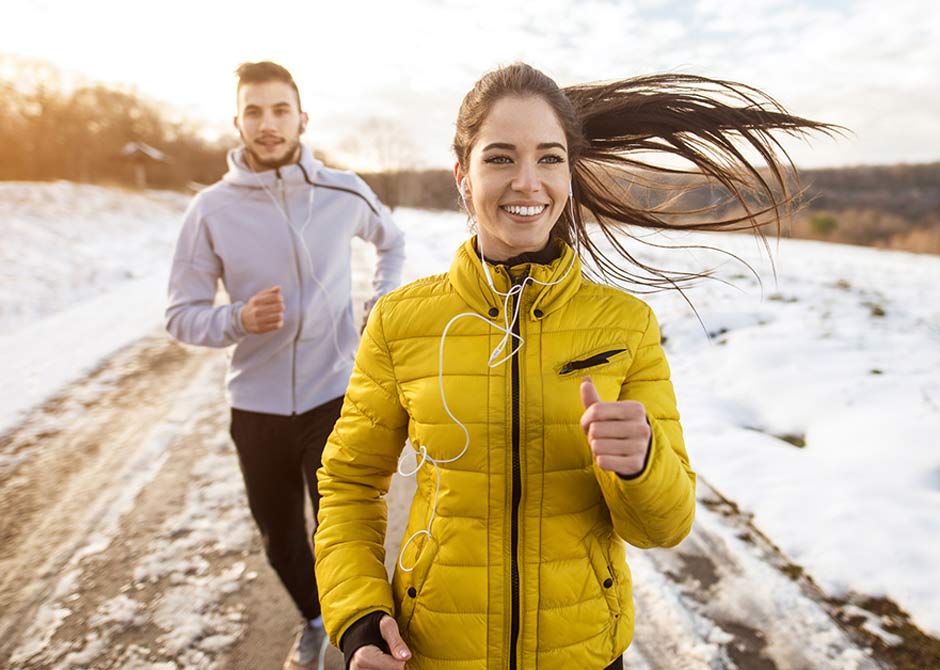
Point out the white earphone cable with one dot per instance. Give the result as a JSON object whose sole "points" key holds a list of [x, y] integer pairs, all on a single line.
{"points": [[299, 234], [509, 322]]}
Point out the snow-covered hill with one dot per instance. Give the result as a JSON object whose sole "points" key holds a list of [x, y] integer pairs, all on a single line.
{"points": [[814, 405]]}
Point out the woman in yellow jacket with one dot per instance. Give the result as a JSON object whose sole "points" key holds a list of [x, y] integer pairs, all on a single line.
{"points": [[537, 403]]}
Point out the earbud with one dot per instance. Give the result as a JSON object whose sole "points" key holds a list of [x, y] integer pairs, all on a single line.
{"points": [[463, 190]]}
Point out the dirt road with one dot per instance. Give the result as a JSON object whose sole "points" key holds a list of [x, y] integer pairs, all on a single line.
{"points": [[126, 543]]}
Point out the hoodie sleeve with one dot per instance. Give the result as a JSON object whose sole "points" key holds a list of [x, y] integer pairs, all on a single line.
{"points": [[656, 507], [389, 241], [190, 316]]}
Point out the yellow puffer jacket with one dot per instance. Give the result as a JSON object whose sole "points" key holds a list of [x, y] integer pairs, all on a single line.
{"points": [[525, 563]]}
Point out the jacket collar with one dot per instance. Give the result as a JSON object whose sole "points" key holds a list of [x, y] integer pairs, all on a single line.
{"points": [[469, 280], [239, 174]]}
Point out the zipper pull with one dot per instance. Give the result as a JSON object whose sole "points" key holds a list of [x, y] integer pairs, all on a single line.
{"points": [[516, 281]]}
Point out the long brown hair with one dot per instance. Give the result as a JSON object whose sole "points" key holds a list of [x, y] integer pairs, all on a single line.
{"points": [[610, 126]]}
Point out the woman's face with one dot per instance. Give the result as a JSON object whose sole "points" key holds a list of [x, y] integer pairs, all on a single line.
{"points": [[518, 176]]}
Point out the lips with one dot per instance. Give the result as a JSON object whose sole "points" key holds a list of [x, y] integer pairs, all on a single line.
{"points": [[269, 143]]}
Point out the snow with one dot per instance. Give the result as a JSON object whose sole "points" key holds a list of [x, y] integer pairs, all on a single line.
{"points": [[859, 505], [842, 353], [84, 271], [748, 588]]}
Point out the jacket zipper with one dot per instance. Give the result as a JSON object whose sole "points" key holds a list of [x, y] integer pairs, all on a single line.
{"points": [[516, 488], [300, 289]]}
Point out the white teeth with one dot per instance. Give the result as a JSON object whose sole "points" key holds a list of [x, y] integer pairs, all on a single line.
{"points": [[525, 211]]}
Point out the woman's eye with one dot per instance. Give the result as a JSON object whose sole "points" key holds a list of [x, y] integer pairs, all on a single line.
{"points": [[552, 158], [498, 160]]}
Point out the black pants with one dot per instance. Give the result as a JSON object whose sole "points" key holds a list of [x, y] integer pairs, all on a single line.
{"points": [[279, 457], [616, 665]]}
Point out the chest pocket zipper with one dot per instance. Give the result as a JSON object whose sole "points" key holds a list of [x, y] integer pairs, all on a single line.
{"points": [[596, 359]]}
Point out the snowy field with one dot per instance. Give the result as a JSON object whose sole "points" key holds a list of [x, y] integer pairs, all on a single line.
{"points": [[814, 403]]}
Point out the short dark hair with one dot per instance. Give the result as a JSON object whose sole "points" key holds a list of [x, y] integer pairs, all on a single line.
{"points": [[265, 71]]}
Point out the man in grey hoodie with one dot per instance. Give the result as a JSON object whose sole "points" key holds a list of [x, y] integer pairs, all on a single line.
{"points": [[276, 230]]}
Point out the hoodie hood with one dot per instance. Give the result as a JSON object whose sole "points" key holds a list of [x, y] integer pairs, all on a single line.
{"points": [[239, 174]]}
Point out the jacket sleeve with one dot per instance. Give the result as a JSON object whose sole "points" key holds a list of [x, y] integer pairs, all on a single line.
{"points": [[358, 462], [656, 508], [190, 316], [389, 241]]}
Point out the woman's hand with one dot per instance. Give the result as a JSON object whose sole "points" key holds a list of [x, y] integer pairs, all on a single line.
{"points": [[371, 657], [618, 431]]}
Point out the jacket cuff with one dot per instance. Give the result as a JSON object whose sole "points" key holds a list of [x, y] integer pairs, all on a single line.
{"points": [[362, 633], [238, 328]]}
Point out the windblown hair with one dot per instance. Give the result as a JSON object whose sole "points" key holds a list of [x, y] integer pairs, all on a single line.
{"points": [[613, 127], [263, 72]]}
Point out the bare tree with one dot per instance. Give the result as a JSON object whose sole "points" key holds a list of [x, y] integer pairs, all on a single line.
{"points": [[386, 144]]}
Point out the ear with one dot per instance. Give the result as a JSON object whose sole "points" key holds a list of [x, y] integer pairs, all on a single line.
{"points": [[235, 122], [304, 120], [458, 175]]}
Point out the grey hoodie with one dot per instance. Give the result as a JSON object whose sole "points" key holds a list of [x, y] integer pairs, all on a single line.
{"points": [[255, 230]]}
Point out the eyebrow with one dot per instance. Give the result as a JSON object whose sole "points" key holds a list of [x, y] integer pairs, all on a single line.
{"points": [[512, 147], [275, 105]]}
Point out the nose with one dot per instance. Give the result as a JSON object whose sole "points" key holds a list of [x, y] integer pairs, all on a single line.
{"points": [[267, 121], [526, 179]]}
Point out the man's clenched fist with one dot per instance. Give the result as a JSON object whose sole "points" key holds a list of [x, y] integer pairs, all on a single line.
{"points": [[264, 312]]}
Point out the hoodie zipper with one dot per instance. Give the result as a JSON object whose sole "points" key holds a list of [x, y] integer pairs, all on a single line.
{"points": [[300, 289], [516, 490]]}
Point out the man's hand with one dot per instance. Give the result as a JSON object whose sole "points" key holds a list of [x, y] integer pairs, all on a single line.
{"points": [[371, 657], [264, 312], [618, 431]]}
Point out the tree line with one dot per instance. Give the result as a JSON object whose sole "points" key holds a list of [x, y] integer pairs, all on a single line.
{"points": [[53, 131]]}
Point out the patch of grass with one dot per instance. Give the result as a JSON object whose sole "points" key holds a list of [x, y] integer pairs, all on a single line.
{"points": [[876, 309], [875, 371], [793, 571], [795, 440], [745, 537], [918, 650], [823, 224]]}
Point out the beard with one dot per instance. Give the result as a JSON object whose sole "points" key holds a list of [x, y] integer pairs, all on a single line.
{"points": [[290, 155]]}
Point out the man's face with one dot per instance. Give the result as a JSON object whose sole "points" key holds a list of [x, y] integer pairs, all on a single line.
{"points": [[270, 124]]}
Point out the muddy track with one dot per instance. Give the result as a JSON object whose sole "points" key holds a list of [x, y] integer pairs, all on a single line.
{"points": [[74, 478]]}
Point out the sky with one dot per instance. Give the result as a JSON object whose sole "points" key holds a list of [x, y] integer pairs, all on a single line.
{"points": [[369, 70]]}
